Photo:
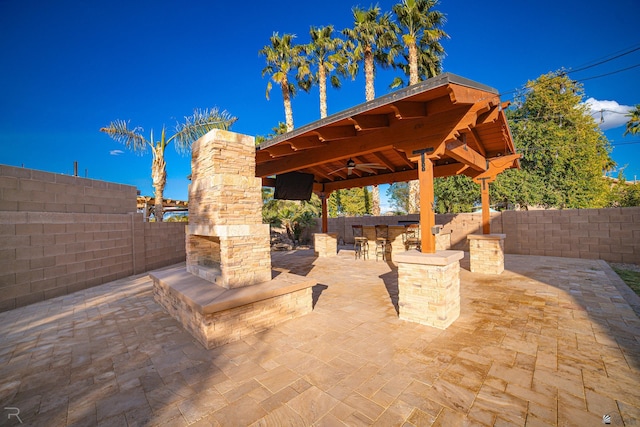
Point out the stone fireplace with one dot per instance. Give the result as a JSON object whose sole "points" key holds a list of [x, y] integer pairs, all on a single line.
{"points": [[226, 291]]}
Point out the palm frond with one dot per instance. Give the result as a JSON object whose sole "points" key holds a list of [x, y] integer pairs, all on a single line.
{"points": [[200, 123], [118, 130]]}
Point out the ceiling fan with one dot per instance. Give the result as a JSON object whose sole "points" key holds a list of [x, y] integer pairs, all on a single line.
{"points": [[366, 167]]}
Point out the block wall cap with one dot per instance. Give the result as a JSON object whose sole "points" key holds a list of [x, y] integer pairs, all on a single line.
{"points": [[438, 258], [486, 236]]}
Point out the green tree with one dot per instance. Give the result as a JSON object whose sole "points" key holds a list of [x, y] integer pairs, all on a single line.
{"points": [[350, 202], [561, 145], [515, 189], [398, 194], [455, 194], [328, 61], [421, 30], [633, 125], [193, 127], [283, 58]]}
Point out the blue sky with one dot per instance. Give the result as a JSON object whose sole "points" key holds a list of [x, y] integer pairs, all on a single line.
{"points": [[70, 67]]}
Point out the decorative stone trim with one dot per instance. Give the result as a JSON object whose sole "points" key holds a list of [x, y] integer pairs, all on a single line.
{"points": [[429, 287], [486, 253]]}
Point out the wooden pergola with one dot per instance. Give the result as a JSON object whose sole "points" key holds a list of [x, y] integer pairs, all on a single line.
{"points": [[443, 126]]}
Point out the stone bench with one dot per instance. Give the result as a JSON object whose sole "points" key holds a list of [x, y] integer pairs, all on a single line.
{"points": [[215, 315]]}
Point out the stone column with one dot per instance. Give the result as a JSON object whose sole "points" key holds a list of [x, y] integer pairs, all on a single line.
{"points": [[227, 243], [325, 244], [429, 287], [486, 253]]}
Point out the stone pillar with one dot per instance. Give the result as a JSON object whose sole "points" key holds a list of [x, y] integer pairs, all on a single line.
{"points": [[226, 241], [325, 244], [486, 253], [429, 287]]}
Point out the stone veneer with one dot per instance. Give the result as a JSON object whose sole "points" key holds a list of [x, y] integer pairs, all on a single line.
{"points": [[325, 244], [429, 287], [227, 243], [217, 316], [226, 290], [486, 253]]}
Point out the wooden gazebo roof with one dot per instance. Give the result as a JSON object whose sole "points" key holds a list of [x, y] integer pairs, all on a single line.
{"points": [[460, 124]]}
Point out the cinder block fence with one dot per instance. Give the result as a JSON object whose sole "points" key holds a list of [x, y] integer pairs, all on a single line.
{"points": [[611, 234], [60, 234]]}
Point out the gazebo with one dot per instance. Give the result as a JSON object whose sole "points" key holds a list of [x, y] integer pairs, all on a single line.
{"points": [[443, 126]]}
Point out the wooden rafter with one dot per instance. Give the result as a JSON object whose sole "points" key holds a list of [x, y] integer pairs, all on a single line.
{"points": [[370, 121]]}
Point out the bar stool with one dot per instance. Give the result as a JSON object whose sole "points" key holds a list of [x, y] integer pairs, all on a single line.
{"points": [[382, 241], [411, 236], [360, 242]]}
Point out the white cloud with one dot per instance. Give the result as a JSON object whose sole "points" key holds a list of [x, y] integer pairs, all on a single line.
{"points": [[608, 114], [116, 152]]}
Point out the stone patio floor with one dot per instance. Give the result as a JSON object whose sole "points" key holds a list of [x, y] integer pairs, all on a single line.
{"points": [[550, 342]]}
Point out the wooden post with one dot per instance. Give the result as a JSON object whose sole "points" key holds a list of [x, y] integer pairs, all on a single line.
{"points": [[325, 212], [486, 207], [427, 213]]}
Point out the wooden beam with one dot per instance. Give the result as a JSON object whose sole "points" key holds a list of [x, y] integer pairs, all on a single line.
{"points": [[279, 150], [465, 154], [476, 138], [335, 132], [384, 161], [370, 121], [468, 95], [384, 178], [304, 143], [497, 165], [409, 109], [369, 142]]}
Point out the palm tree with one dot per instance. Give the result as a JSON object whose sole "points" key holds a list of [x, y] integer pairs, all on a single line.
{"points": [[282, 58], [194, 126], [421, 31], [633, 125], [372, 39], [325, 54]]}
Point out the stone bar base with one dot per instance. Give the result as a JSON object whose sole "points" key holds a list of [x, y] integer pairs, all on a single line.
{"points": [[486, 253], [217, 316], [325, 244], [429, 287]]}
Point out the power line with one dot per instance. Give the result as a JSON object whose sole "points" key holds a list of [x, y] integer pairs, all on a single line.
{"points": [[608, 74], [586, 67], [600, 62]]}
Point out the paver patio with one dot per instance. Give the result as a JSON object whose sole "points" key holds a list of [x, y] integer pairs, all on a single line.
{"points": [[551, 341]]}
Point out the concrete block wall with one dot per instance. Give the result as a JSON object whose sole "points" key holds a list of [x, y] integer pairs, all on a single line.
{"points": [[44, 254], [29, 190], [611, 234]]}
